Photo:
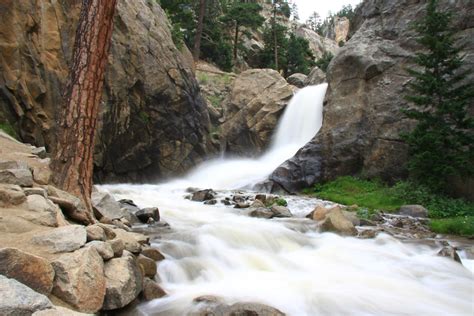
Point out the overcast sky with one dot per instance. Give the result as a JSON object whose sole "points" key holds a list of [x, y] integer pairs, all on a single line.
{"points": [[307, 7]]}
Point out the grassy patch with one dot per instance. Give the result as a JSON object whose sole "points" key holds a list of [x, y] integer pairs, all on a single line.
{"points": [[463, 225], [216, 101], [8, 128], [367, 194]]}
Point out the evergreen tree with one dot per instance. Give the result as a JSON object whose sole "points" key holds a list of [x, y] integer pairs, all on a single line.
{"points": [[314, 21], [300, 58], [274, 54], [242, 15], [442, 143]]}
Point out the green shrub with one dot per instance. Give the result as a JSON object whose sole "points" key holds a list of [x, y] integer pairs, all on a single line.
{"points": [[281, 202], [8, 128], [463, 225]]}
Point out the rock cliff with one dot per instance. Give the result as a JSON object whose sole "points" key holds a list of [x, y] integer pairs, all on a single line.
{"points": [[367, 83], [154, 120]]}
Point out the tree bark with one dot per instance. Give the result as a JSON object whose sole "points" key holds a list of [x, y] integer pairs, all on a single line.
{"points": [[200, 26], [236, 41], [73, 155]]}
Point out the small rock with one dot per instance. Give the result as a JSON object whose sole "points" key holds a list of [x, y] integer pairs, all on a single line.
{"points": [[33, 271], [203, 195], [95, 232], [377, 217], [58, 311], [42, 211], [18, 299], [450, 252], [261, 213], [118, 223], [118, 246], [153, 253], [133, 241], [319, 213], [13, 164], [239, 198], [21, 177], [151, 290], [368, 233], [36, 191], [106, 205], [366, 222], [42, 175], [211, 202], [123, 282], [126, 222], [11, 194], [413, 211], [242, 205], [297, 80], [148, 265], [103, 249], [62, 239], [147, 213], [108, 230], [257, 204], [261, 197], [281, 211], [336, 222], [39, 151], [225, 202], [80, 279]]}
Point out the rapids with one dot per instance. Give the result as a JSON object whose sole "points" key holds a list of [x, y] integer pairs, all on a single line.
{"points": [[218, 250]]}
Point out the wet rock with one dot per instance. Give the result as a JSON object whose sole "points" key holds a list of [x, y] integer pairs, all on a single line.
{"points": [[315, 77], [239, 198], [117, 245], [336, 222], [103, 249], [80, 279], [413, 211], [366, 222], [95, 232], [17, 299], [211, 202], [244, 309], [132, 241], [148, 265], [150, 212], [203, 195], [33, 271], [11, 194], [450, 252], [21, 177], [151, 290], [242, 205], [123, 281], [352, 216], [297, 80], [261, 197], [62, 239], [226, 202], [318, 214], [153, 253], [41, 211], [106, 205], [261, 212], [377, 217], [280, 211], [257, 204]]}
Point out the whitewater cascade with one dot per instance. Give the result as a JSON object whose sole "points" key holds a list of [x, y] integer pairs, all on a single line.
{"points": [[285, 263]]}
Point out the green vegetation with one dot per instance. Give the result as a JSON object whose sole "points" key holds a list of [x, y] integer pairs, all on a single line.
{"points": [[281, 202], [323, 62], [8, 128], [442, 144], [144, 117], [216, 101], [448, 215]]}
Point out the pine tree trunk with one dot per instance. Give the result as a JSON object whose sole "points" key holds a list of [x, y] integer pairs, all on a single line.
{"points": [[73, 156], [275, 43], [236, 41], [197, 39]]}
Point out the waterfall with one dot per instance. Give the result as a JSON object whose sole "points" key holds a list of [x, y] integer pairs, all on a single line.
{"points": [[300, 121]]}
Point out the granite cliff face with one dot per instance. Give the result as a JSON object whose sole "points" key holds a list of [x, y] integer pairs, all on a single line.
{"points": [[154, 120], [367, 83]]}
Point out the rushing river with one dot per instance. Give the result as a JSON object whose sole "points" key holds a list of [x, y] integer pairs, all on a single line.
{"points": [[218, 250]]}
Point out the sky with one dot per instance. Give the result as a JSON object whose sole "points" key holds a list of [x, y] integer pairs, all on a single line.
{"points": [[307, 7]]}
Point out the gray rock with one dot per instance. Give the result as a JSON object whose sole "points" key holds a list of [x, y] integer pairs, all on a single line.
{"points": [[450, 252], [217, 308], [281, 211], [413, 211], [123, 281], [203, 195], [33, 271], [297, 80], [17, 299], [59, 311], [315, 77], [151, 290], [242, 205], [11, 194], [103, 249], [118, 246], [21, 177], [36, 191], [42, 175], [261, 212], [62, 239], [39, 151], [150, 212], [95, 232], [107, 206], [13, 164], [80, 279], [132, 241], [42, 211]]}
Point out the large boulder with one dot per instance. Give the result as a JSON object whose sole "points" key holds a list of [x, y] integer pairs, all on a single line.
{"points": [[214, 306], [80, 280], [59, 311], [33, 271], [336, 222], [316, 76], [62, 239], [21, 177], [297, 80], [11, 194], [107, 206], [367, 84], [124, 281], [252, 110], [153, 122], [17, 299], [42, 211]]}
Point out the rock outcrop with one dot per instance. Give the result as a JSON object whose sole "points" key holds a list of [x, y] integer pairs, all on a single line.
{"points": [[367, 83], [317, 43], [252, 110], [154, 121]]}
